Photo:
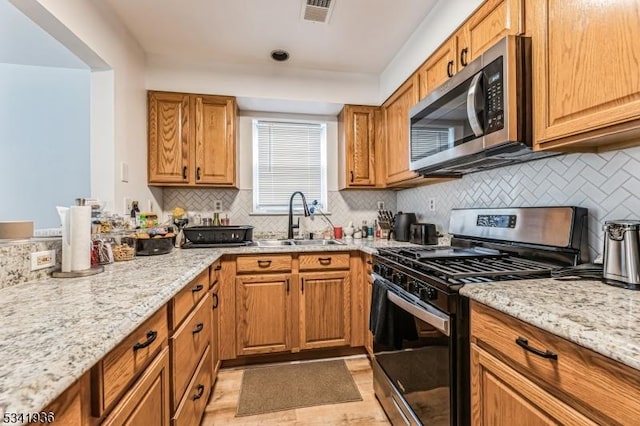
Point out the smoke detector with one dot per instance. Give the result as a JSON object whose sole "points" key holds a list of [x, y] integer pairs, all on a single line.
{"points": [[317, 10]]}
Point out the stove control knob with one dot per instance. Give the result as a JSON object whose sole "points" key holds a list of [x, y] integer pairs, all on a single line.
{"points": [[399, 279], [412, 287], [386, 272], [427, 294]]}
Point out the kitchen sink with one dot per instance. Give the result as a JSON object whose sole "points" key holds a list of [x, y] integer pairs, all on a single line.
{"points": [[317, 242], [272, 243]]}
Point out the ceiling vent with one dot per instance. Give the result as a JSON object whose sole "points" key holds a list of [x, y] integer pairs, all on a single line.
{"points": [[317, 10]]}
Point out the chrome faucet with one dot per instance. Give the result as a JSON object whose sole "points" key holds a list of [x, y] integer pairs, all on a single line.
{"points": [[306, 213]]}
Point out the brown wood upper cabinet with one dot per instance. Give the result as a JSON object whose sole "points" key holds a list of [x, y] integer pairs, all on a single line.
{"points": [[492, 21], [586, 85], [357, 147], [192, 140], [396, 124]]}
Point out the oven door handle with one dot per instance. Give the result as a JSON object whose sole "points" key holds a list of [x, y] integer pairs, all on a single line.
{"points": [[441, 323]]}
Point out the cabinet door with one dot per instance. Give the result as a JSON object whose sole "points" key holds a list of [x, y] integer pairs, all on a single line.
{"points": [[440, 66], [147, 403], [215, 140], [356, 129], [169, 123], [501, 396], [494, 20], [587, 85], [325, 309], [263, 314], [396, 119]]}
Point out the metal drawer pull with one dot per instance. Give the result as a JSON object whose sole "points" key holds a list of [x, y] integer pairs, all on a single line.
{"points": [[524, 344], [324, 260], [198, 328], [264, 263], [198, 394], [151, 337], [215, 300], [184, 172], [197, 288]]}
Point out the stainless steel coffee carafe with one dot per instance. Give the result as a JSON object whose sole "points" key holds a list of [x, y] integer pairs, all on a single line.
{"points": [[622, 252]]}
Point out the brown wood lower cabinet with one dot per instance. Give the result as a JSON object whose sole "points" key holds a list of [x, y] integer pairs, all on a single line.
{"points": [[190, 410], [263, 312], [147, 402], [571, 385], [325, 309]]}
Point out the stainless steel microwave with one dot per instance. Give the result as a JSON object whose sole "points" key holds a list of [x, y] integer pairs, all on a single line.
{"points": [[478, 119]]}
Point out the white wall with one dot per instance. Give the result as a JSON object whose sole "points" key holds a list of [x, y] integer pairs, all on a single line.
{"points": [[274, 82], [44, 140], [95, 36], [438, 25]]}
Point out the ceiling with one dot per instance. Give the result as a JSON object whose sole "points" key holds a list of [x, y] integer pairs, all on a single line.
{"points": [[362, 36], [23, 42]]}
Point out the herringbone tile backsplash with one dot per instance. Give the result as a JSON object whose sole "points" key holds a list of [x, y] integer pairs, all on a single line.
{"points": [[608, 184], [343, 206]]}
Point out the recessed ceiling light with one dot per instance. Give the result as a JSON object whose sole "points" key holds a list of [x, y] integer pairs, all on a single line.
{"points": [[280, 55]]}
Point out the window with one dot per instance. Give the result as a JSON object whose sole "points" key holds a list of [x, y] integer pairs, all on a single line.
{"points": [[288, 156]]}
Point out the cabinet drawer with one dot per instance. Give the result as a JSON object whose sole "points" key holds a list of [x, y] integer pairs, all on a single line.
{"points": [[129, 358], [147, 403], [214, 273], [187, 345], [188, 298], [579, 376], [192, 406], [263, 263], [322, 261]]}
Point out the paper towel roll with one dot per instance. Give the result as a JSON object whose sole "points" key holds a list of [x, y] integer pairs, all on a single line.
{"points": [[76, 238]]}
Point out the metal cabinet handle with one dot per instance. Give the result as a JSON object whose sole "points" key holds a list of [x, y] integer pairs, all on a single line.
{"points": [[184, 172], [352, 178], [198, 329], [197, 288], [217, 268], [216, 300], [199, 393], [264, 263], [450, 69], [197, 173], [288, 284], [151, 337], [463, 57], [524, 344], [324, 260], [302, 284]]}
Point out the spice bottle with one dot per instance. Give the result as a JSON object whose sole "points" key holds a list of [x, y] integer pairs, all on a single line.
{"points": [[216, 219]]}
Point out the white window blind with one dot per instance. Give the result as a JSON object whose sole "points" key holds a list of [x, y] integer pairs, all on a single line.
{"points": [[288, 157]]}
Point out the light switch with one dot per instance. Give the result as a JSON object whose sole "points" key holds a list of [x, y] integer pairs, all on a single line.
{"points": [[124, 172]]}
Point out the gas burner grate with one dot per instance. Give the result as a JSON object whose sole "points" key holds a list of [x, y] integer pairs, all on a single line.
{"points": [[458, 269]]}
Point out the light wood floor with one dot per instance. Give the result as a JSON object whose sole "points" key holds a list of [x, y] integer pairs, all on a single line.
{"points": [[223, 403]]}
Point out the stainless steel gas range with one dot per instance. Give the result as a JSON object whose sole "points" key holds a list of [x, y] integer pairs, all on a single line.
{"points": [[419, 321]]}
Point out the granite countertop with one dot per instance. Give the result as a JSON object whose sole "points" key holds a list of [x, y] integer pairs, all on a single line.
{"points": [[603, 318], [55, 330]]}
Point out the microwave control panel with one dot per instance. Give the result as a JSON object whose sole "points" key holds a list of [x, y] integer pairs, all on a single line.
{"points": [[494, 96]]}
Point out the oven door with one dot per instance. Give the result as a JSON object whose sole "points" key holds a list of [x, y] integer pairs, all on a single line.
{"points": [[414, 381]]}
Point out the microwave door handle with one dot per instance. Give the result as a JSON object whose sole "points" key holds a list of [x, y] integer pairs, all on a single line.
{"points": [[472, 94]]}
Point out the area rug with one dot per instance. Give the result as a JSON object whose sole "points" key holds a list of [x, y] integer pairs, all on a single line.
{"points": [[288, 386]]}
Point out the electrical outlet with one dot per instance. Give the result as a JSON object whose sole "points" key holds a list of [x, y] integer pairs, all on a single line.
{"points": [[432, 204], [380, 205], [217, 205], [43, 259], [126, 205]]}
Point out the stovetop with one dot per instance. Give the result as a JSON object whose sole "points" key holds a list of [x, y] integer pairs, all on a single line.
{"points": [[458, 265]]}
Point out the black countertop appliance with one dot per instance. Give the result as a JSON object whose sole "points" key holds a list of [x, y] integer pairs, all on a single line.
{"points": [[402, 226]]}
